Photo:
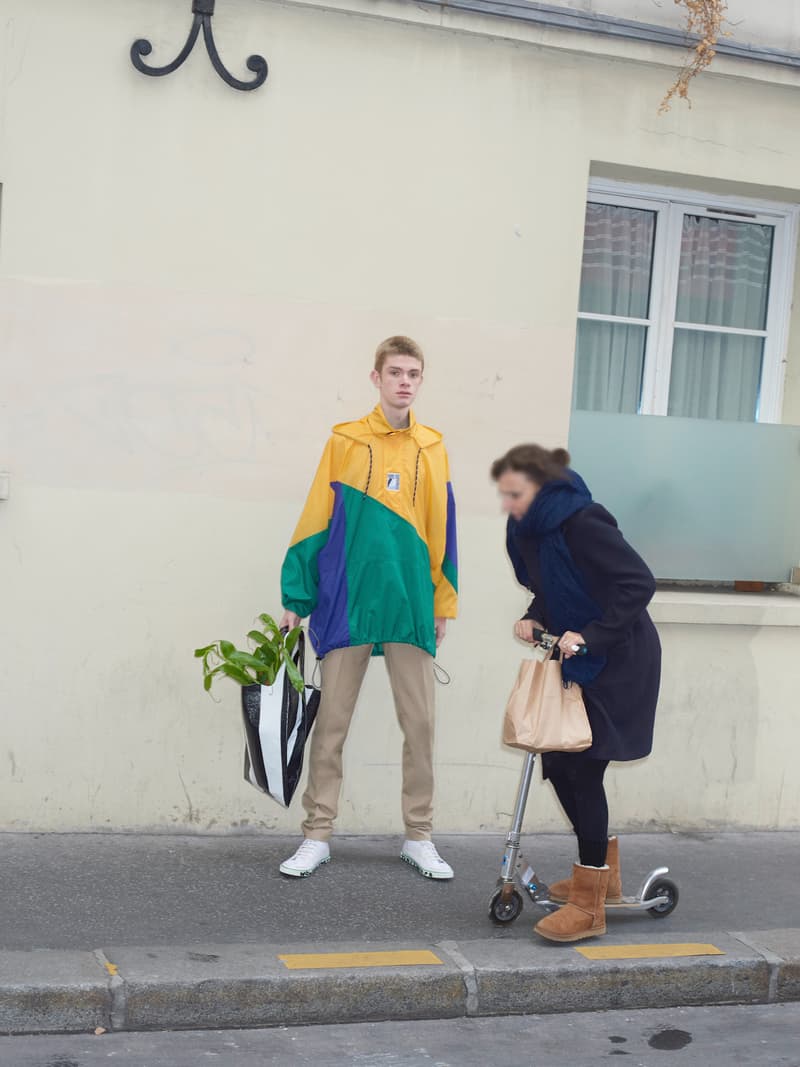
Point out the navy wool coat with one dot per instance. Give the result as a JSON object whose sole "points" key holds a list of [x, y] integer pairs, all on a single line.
{"points": [[621, 701]]}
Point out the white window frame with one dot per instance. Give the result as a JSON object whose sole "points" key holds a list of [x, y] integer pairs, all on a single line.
{"points": [[669, 206]]}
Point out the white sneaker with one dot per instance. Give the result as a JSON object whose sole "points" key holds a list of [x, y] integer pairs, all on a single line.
{"points": [[423, 856], [309, 856]]}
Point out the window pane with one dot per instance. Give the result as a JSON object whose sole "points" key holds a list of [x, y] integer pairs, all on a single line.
{"points": [[724, 273], [715, 375], [608, 366], [617, 260]]}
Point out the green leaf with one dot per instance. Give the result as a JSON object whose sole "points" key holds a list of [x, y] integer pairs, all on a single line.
{"points": [[211, 673], [291, 639], [295, 677], [226, 648], [269, 654], [203, 651], [270, 624], [238, 674], [258, 638], [265, 672], [245, 659]]}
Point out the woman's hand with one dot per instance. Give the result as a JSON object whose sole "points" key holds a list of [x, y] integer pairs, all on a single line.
{"points": [[568, 642], [523, 629]]}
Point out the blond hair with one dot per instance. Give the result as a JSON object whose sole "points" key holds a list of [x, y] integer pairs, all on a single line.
{"points": [[397, 346]]}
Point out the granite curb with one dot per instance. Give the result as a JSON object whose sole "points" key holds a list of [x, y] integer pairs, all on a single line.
{"points": [[230, 986]]}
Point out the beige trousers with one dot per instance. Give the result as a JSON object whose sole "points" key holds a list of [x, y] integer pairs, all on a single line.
{"points": [[410, 672]]}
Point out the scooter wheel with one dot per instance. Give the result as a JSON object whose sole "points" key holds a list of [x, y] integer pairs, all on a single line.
{"points": [[663, 887], [505, 911]]}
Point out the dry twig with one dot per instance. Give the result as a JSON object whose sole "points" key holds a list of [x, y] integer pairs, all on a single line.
{"points": [[705, 19]]}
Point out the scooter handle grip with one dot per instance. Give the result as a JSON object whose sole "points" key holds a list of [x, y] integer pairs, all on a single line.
{"points": [[548, 640]]}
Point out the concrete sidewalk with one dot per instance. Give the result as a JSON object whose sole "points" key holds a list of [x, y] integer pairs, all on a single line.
{"points": [[153, 931]]}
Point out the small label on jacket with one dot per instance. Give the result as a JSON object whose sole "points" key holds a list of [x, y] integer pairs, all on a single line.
{"points": [[393, 483]]}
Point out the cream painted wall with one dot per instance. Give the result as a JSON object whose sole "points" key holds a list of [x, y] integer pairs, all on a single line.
{"points": [[192, 282], [723, 731]]}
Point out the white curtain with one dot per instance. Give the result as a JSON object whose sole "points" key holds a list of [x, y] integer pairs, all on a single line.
{"points": [[723, 281], [615, 280], [609, 365], [617, 260], [715, 375]]}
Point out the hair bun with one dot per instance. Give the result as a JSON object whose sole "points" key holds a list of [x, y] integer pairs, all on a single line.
{"points": [[560, 456]]}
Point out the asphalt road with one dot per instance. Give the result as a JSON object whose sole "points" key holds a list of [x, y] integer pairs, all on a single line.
{"points": [[766, 1036]]}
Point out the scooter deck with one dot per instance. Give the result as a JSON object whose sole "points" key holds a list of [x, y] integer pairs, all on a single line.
{"points": [[621, 905]]}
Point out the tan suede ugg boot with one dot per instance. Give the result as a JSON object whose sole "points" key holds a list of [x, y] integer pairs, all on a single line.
{"points": [[559, 891], [584, 914]]}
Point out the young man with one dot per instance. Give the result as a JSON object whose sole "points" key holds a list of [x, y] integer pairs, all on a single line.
{"points": [[373, 562]]}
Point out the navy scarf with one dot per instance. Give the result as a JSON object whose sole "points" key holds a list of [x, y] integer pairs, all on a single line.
{"points": [[569, 605]]}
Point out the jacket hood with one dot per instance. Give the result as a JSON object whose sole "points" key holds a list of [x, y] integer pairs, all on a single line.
{"points": [[376, 425]]}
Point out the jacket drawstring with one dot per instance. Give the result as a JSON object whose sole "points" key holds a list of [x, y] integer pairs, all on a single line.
{"points": [[416, 475], [369, 472]]}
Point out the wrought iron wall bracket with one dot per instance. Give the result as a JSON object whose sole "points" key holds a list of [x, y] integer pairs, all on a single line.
{"points": [[203, 11]]}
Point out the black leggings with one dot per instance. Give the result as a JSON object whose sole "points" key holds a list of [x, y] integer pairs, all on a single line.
{"points": [[578, 783]]}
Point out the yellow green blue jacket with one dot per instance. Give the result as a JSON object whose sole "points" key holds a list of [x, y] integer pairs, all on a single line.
{"points": [[373, 558]]}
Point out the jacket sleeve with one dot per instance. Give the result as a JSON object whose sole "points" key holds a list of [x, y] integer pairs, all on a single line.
{"points": [[300, 571], [611, 566], [441, 538]]}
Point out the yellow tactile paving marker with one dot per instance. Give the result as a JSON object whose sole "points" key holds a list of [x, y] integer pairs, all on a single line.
{"points": [[320, 961], [648, 952]]}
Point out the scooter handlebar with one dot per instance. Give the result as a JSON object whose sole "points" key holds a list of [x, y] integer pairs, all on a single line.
{"points": [[547, 640]]}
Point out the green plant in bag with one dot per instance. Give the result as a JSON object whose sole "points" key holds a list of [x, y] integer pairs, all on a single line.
{"points": [[257, 666]]}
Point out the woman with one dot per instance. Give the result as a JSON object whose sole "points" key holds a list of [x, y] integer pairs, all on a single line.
{"points": [[589, 586]]}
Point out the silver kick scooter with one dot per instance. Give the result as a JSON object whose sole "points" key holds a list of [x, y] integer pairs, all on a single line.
{"points": [[658, 894]]}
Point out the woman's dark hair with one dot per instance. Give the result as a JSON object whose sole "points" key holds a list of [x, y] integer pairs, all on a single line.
{"points": [[540, 464]]}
